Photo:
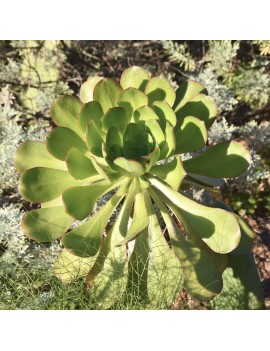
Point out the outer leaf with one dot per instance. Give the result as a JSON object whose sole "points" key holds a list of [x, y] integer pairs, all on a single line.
{"points": [[108, 276], [87, 89], [140, 217], [186, 92], [60, 140], [211, 224], [44, 184], [160, 89], [106, 92], [164, 273], [165, 113], [134, 77], [132, 99], [80, 166], [225, 160], [33, 154], [247, 237], [190, 136], [201, 106], [69, 267], [46, 224], [202, 275], [65, 112], [91, 111], [138, 267], [130, 168], [114, 117], [172, 173], [85, 240], [80, 201], [205, 181], [242, 286]]}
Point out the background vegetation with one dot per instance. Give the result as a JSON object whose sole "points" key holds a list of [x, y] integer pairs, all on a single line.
{"points": [[34, 73]]}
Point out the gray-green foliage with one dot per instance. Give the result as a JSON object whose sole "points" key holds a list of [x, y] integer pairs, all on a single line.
{"points": [[224, 96], [11, 235], [221, 131], [179, 53], [10, 135], [220, 57], [257, 134], [35, 72], [253, 94]]}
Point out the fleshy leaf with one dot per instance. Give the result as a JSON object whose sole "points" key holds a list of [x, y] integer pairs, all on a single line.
{"points": [[202, 275], [144, 114], [186, 92], [242, 289], [202, 107], [164, 271], [114, 117], [225, 160], [103, 171], [153, 157], [79, 201], [46, 224], [69, 267], [172, 173], [167, 147], [212, 225], [134, 77], [165, 113], [106, 92], [138, 267], [140, 218], [136, 142], [94, 139], [155, 130], [131, 168], [33, 154], [85, 240], [60, 140], [114, 138], [90, 112], [131, 99], [87, 89], [204, 181], [108, 286], [190, 136], [45, 184], [241, 286], [53, 203], [80, 166], [65, 113], [160, 89]]}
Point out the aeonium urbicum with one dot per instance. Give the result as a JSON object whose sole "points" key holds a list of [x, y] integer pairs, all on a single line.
{"points": [[126, 139]]}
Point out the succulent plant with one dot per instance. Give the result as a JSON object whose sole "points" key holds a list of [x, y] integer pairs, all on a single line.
{"points": [[126, 140]]}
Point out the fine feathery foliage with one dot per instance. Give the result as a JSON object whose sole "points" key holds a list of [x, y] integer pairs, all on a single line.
{"points": [[126, 140]]}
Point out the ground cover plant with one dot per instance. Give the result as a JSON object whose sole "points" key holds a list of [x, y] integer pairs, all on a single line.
{"points": [[140, 190]]}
